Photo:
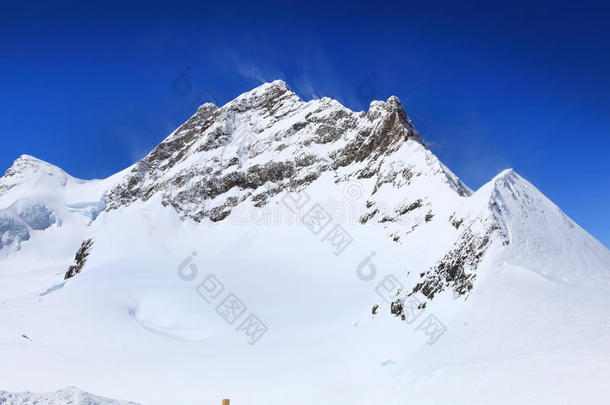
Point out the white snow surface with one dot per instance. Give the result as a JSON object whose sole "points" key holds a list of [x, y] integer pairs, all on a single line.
{"points": [[534, 329]]}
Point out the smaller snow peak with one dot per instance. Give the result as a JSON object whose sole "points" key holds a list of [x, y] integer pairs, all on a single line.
{"points": [[508, 177], [28, 160], [28, 163], [505, 179], [31, 160], [35, 172], [506, 173], [538, 234]]}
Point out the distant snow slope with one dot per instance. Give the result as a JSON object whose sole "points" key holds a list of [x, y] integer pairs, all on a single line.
{"points": [[69, 396], [279, 251]]}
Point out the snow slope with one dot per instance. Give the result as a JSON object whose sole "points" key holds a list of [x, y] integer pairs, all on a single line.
{"points": [[70, 395], [442, 295]]}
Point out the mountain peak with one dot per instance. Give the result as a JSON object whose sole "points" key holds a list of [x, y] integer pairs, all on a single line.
{"points": [[27, 169], [395, 102], [506, 174], [25, 158], [30, 163], [273, 88], [540, 235], [264, 96], [279, 84], [391, 106]]}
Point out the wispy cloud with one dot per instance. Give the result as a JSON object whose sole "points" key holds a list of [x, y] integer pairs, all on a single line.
{"points": [[250, 70], [306, 88]]}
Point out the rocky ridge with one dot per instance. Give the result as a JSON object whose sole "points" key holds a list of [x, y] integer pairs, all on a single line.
{"points": [[267, 141]]}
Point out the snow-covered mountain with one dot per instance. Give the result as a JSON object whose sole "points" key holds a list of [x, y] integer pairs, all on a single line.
{"points": [[279, 251]]}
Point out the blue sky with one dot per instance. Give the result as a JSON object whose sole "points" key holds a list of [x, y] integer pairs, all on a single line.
{"points": [[89, 87]]}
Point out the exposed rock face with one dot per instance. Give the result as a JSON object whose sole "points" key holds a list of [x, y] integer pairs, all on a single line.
{"points": [[267, 141], [456, 269], [80, 259]]}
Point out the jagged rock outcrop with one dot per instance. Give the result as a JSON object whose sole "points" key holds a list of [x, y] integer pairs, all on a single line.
{"points": [[80, 259]]}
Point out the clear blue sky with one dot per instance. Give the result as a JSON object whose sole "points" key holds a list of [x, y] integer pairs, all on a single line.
{"points": [[89, 87]]}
